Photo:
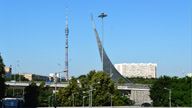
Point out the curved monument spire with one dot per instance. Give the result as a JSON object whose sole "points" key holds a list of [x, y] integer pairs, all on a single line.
{"points": [[107, 65]]}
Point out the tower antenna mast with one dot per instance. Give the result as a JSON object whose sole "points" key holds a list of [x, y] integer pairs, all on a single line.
{"points": [[66, 46]]}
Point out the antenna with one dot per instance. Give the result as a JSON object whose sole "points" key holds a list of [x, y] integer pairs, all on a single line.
{"points": [[67, 16], [66, 45]]}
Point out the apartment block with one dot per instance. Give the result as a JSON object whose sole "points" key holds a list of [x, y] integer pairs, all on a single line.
{"points": [[144, 70]]}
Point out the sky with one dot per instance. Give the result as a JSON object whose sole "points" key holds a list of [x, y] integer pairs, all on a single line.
{"points": [[32, 34]]}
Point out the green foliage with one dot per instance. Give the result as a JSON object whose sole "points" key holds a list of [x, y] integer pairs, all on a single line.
{"points": [[180, 88], [81, 76], [44, 93], [2, 79], [37, 95], [103, 89], [18, 93], [142, 80], [31, 95], [36, 78], [101, 95], [121, 80], [64, 96], [122, 100], [17, 77]]}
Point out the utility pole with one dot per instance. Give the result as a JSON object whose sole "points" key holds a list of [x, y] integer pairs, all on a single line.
{"points": [[89, 98], [83, 99], [169, 96], [55, 77], [55, 90], [111, 100], [73, 98], [102, 16], [91, 87], [49, 99]]}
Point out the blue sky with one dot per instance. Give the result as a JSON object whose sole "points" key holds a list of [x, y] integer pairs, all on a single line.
{"points": [[135, 31]]}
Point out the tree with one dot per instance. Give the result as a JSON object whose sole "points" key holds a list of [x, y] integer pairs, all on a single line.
{"points": [[2, 79], [18, 93], [180, 91], [36, 78], [122, 100], [103, 90], [17, 77], [100, 94], [64, 96], [121, 80], [31, 95], [142, 80], [44, 93], [37, 95]]}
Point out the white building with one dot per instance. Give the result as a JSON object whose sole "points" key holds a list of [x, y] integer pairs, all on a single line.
{"points": [[144, 70], [53, 75], [58, 76], [189, 74]]}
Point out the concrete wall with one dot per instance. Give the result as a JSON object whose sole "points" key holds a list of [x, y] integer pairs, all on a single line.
{"points": [[140, 96]]}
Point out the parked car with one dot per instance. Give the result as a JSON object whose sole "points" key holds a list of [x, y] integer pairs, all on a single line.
{"points": [[145, 104]]}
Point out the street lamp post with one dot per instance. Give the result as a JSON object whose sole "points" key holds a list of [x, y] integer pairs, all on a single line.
{"points": [[55, 90], [83, 99], [111, 100], [89, 98], [91, 87], [73, 98], [55, 77], [15, 76], [102, 16], [60, 70], [49, 99], [169, 96]]}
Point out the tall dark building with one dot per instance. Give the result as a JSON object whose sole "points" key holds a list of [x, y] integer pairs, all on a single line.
{"points": [[107, 65]]}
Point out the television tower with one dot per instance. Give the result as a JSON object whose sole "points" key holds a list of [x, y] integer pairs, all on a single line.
{"points": [[66, 46]]}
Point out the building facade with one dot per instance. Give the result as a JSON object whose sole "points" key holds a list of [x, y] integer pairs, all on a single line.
{"points": [[30, 77], [8, 71], [52, 77], [143, 70]]}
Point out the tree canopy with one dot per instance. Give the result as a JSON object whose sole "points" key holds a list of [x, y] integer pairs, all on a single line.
{"points": [[101, 94], [2, 79], [17, 77], [37, 95], [121, 80], [180, 91], [142, 80]]}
